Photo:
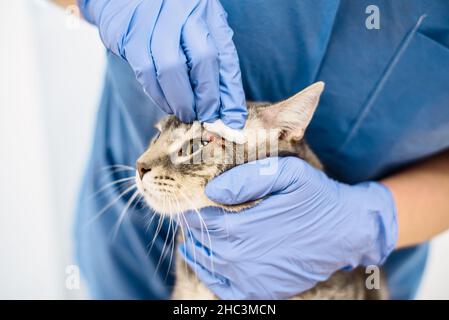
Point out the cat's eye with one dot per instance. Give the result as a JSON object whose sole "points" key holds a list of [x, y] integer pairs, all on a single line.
{"points": [[192, 146]]}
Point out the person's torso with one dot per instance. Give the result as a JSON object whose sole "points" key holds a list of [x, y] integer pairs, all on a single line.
{"points": [[386, 101]]}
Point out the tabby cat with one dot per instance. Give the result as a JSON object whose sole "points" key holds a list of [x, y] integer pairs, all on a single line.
{"points": [[173, 172]]}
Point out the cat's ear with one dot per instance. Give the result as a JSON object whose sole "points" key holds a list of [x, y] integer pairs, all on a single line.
{"points": [[292, 116]]}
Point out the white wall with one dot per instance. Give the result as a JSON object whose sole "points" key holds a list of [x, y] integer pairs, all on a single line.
{"points": [[50, 81], [27, 239]]}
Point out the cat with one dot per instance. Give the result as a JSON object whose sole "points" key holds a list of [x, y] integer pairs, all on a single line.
{"points": [[173, 172]]}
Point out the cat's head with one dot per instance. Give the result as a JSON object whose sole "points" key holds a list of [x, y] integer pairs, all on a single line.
{"points": [[173, 172]]}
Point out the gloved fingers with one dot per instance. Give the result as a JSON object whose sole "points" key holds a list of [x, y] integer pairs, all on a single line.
{"points": [[169, 59], [137, 52], [233, 106], [255, 180], [212, 278], [201, 263], [201, 253], [202, 59]]}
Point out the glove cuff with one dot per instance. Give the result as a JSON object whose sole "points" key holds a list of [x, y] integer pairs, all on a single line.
{"points": [[379, 216]]}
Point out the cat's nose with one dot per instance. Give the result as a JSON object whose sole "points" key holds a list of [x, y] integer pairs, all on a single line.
{"points": [[143, 167]]}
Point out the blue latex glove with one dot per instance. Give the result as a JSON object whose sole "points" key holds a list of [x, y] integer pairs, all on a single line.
{"points": [[309, 227], [181, 52]]}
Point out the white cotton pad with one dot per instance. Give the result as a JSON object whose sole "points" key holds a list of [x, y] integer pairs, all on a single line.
{"points": [[220, 129]]}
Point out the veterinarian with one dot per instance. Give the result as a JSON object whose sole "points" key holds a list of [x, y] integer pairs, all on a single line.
{"points": [[381, 130]]}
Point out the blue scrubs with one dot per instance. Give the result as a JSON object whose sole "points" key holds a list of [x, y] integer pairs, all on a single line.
{"points": [[386, 105]]}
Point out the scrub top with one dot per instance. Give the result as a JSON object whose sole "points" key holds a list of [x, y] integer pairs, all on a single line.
{"points": [[386, 105]]}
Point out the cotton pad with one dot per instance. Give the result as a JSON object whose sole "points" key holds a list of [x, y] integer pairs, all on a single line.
{"points": [[222, 130]]}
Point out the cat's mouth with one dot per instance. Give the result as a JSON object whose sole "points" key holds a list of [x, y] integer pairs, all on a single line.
{"points": [[168, 196]]}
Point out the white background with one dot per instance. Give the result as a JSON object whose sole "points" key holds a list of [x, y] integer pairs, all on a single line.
{"points": [[50, 80]]}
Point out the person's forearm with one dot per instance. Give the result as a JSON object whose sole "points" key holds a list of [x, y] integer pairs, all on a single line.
{"points": [[421, 193]]}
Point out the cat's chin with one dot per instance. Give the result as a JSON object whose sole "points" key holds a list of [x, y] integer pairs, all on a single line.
{"points": [[166, 210], [168, 206], [172, 207], [238, 207], [180, 208]]}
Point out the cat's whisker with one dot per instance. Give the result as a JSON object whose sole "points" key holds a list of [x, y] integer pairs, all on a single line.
{"points": [[158, 228], [161, 257], [138, 201], [112, 172], [100, 213], [118, 166], [163, 254], [148, 224], [202, 223], [183, 236], [173, 244], [189, 232], [156, 233], [113, 169], [123, 213], [153, 214], [178, 224], [111, 184]]}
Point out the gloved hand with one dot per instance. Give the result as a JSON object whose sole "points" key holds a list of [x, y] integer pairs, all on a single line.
{"points": [[309, 227], [181, 52]]}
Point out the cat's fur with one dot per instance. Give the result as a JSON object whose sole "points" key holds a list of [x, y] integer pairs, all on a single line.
{"points": [[173, 183]]}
